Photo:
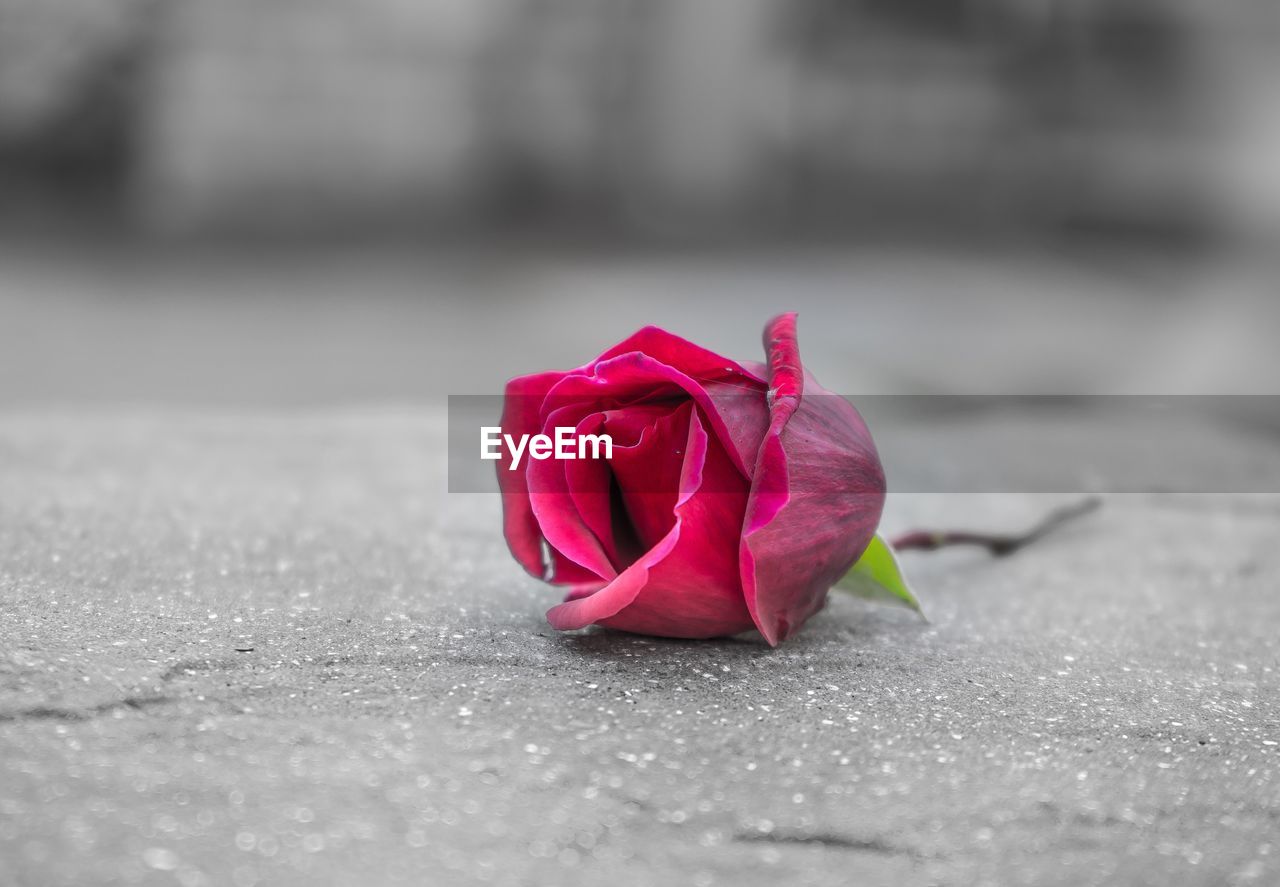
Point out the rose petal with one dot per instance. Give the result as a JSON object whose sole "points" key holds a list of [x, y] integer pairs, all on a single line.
{"points": [[559, 517], [635, 378], [649, 473], [627, 378], [686, 585], [744, 415], [681, 354], [591, 489], [640, 483], [579, 611], [816, 496], [626, 424], [695, 592], [521, 408], [732, 387]]}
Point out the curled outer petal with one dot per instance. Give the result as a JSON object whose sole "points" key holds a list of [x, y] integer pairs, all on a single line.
{"points": [[816, 495]]}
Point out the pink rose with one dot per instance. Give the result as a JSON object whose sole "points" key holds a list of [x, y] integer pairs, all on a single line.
{"points": [[736, 496]]}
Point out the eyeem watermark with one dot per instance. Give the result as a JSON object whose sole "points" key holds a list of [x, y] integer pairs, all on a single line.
{"points": [[565, 444]]}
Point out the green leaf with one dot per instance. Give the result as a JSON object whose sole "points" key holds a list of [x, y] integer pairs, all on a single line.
{"points": [[878, 577]]}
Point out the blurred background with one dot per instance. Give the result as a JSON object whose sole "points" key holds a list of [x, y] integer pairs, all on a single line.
{"points": [[300, 202]]}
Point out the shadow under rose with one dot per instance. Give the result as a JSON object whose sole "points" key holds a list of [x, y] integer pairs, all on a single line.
{"points": [[605, 643], [855, 623]]}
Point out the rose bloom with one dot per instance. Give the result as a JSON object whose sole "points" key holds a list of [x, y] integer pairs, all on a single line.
{"points": [[737, 495]]}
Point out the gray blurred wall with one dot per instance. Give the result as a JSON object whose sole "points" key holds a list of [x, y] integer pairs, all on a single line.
{"points": [[200, 115]]}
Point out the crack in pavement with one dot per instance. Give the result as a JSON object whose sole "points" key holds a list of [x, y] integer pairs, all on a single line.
{"points": [[49, 712], [827, 839]]}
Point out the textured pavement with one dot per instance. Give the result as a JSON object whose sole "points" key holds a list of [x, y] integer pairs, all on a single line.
{"points": [[267, 647]]}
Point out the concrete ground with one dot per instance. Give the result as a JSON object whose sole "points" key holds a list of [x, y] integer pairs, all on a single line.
{"points": [[264, 645]]}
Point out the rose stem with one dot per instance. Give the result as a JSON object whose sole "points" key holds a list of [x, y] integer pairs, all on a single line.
{"points": [[998, 544]]}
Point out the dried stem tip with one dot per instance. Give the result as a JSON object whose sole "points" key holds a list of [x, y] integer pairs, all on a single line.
{"points": [[998, 544]]}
